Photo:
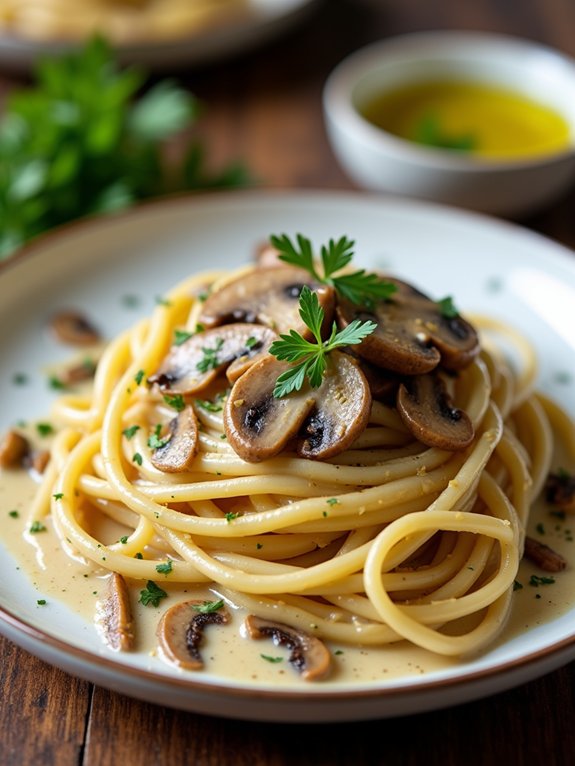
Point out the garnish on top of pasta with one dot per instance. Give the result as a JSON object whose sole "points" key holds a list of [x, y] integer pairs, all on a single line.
{"points": [[330, 451]]}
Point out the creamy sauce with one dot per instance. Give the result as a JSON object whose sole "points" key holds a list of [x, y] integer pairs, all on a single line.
{"points": [[481, 119], [227, 653]]}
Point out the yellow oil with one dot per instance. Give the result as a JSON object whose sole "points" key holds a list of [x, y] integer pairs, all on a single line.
{"points": [[486, 121]]}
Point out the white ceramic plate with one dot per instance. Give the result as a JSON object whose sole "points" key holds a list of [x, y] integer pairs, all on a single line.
{"points": [[490, 266], [264, 19]]}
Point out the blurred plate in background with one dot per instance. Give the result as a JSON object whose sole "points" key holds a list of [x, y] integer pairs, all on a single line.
{"points": [[226, 35]]}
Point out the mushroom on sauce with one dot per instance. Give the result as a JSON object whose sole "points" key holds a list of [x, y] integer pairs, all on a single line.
{"points": [[412, 335], [308, 655], [115, 615], [268, 296], [323, 421], [180, 631], [73, 328]]}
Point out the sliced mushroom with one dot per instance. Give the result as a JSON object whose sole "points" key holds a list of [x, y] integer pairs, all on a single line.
{"points": [[181, 445], [77, 373], [544, 556], [115, 615], [267, 256], [426, 409], [560, 490], [191, 366], [73, 328], [267, 296], [14, 449], [412, 335], [323, 421], [180, 632], [309, 655]]}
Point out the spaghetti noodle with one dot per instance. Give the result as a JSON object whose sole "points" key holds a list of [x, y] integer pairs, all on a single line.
{"points": [[390, 540]]}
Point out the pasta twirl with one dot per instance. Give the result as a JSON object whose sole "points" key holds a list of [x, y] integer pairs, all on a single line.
{"points": [[390, 540]]}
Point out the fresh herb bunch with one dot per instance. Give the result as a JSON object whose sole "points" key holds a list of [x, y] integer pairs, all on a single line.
{"points": [[87, 139], [360, 287], [309, 357]]}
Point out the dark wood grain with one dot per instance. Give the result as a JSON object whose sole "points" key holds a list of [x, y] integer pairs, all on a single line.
{"points": [[265, 109]]}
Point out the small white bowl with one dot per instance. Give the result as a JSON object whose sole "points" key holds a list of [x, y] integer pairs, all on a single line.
{"points": [[379, 161]]}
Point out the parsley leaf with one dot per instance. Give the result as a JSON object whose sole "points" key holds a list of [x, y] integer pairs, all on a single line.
{"points": [[429, 131], [447, 307], [309, 356], [359, 287], [65, 154], [208, 606], [152, 594]]}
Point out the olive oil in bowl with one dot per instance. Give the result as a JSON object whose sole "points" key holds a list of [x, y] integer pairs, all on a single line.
{"points": [[487, 121]]}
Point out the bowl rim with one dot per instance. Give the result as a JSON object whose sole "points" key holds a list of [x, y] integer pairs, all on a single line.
{"points": [[341, 82]]}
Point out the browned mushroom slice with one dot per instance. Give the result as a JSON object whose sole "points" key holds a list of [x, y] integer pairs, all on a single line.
{"points": [[412, 335], [180, 631], [323, 421], [73, 328], [309, 655], [191, 366], [426, 409], [269, 297], [115, 615], [14, 449], [545, 557], [177, 451], [267, 257], [560, 490]]}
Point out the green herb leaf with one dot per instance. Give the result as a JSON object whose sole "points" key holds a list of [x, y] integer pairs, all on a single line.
{"points": [[208, 606], [66, 154], [359, 287], [447, 308], [130, 432], [165, 567], [152, 594], [430, 132], [176, 401], [311, 357]]}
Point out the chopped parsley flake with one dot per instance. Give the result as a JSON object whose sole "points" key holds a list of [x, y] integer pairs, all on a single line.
{"points": [[268, 658], [165, 567], [176, 401], [58, 495], [36, 527], [44, 429], [137, 458], [208, 606], [210, 358], [139, 377], [130, 432], [447, 307], [19, 378], [152, 594], [332, 501], [13, 514], [208, 406], [231, 516], [536, 580], [124, 539], [41, 602], [155, 441], [56, 383]]}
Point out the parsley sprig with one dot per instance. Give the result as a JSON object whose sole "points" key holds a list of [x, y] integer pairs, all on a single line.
{"points": [[360, 287], [309, 357]]}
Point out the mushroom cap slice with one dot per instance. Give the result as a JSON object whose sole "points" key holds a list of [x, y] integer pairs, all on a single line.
{"points": [[268, 296], [322, 421], [191, 366], [178, 452], [426, 409], [74, 328], [180, 632], [308, 654], [115, 615], [412, 335]]}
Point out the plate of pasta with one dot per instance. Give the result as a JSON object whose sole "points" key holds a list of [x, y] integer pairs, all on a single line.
{"points": [[290, 456], [152, 33]]}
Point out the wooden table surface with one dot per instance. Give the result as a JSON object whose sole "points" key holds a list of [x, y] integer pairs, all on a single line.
{"points": [[265, 108]]}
